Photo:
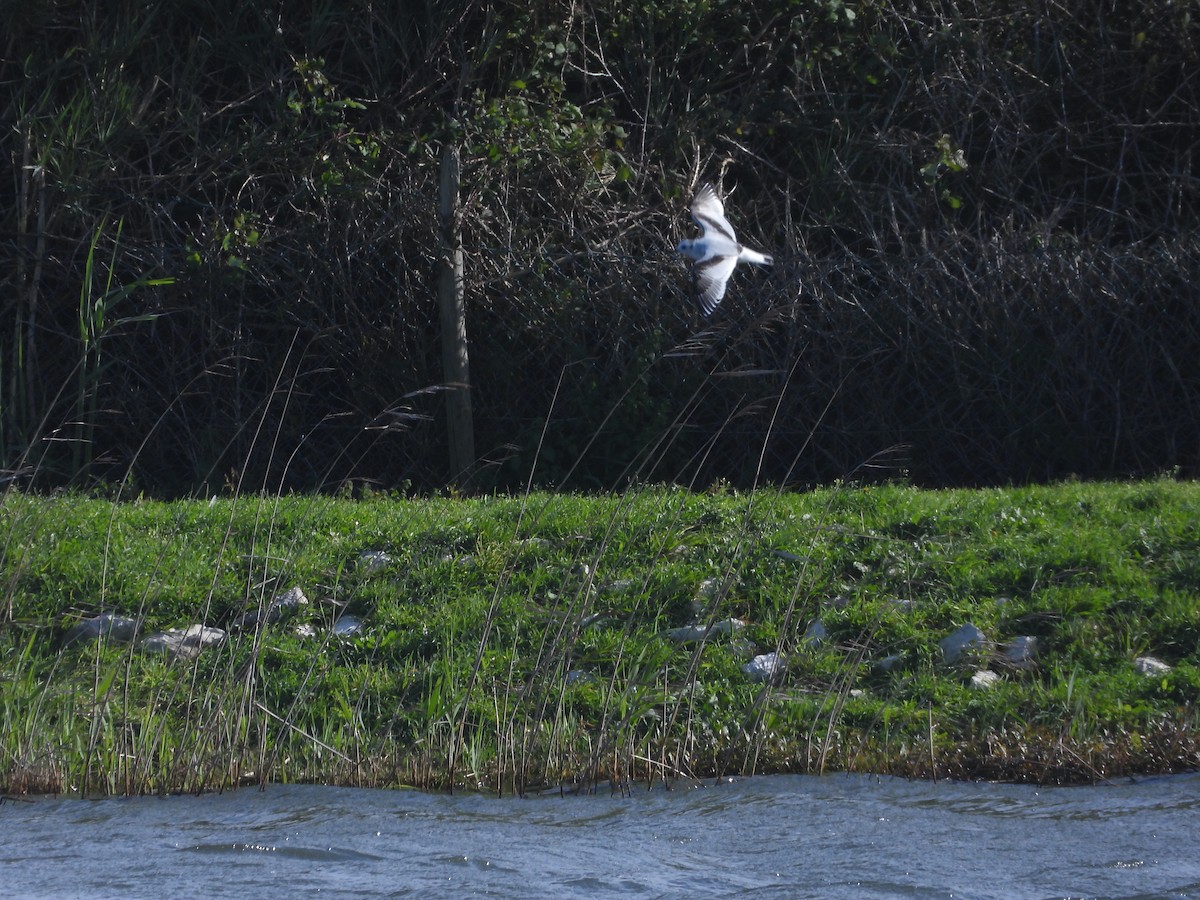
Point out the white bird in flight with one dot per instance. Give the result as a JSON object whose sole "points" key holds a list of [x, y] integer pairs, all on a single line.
{"points": [[716, 253]]}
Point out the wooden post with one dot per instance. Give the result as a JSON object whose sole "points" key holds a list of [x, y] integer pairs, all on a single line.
{"points": [[455, 368]]}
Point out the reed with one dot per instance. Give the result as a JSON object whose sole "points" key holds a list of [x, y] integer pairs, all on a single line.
{"points": [[983, 215]]}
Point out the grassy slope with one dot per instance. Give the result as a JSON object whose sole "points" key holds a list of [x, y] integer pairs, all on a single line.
{"points": [[460, 676]]}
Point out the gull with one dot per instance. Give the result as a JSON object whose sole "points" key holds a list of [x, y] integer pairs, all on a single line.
{"points": [[716, 253]]}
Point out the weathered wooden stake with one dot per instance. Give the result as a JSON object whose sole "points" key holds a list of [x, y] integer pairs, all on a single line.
{"points": [[455, 368]]}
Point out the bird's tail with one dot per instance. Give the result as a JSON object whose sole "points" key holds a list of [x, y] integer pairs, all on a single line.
{"points": [[753, 256]]}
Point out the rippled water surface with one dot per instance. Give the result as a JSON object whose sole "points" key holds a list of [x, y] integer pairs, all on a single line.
{"points": [[833, 836]]}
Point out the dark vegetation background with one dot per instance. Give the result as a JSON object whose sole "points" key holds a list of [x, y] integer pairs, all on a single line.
{"points": [[219, 243]]}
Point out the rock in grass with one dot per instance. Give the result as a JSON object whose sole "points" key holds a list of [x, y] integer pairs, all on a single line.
{"points": [[373, 560], [815, 635], [183, 643], [1151, 667], [289, 601], [106, 625], [620, 586], [767, 667], [688, 633], [691, 633], [966, 641], [342, 627], [984, 678], [1021, 652], [727, 626], [283, 606], [888, 663]]}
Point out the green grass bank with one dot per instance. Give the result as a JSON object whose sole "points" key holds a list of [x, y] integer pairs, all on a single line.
{"points": [[510, 644]]}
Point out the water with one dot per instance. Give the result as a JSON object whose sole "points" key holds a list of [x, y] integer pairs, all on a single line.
{"points": [[833, 836]]}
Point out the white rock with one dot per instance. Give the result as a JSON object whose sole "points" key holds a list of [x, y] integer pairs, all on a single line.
{"points": [[283, 606], [373, 560], [965, 639], [984, 678], [766, 667], [620, 586], [290, 600], [185, 643], [1150, 666]]}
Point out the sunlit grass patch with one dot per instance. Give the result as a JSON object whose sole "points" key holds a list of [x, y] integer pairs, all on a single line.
{"points": [[505, 643]]}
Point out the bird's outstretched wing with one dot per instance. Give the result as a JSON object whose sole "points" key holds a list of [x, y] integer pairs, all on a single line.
{"points": [[709, 212], [711, 275]]}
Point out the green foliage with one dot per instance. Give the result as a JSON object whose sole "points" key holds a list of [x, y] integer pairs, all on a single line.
{"points": [[511, 642]]}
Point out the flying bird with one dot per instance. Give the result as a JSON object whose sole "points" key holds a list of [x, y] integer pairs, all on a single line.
{"points": [[716, 253]]}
